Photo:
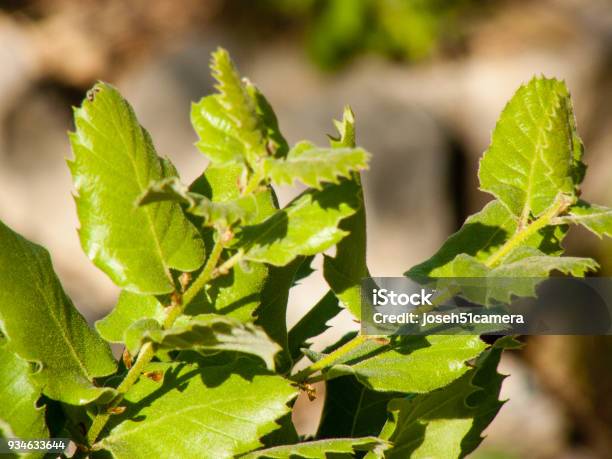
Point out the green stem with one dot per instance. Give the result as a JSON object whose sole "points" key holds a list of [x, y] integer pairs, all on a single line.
{"points": [[330, 358], [253, 183], [523, 232], [144, 357], [204, 277], [147, 352], [228, 264], [561, 204]]}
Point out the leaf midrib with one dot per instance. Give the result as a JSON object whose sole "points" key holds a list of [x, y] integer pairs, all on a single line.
{"points": [[357, 410], [538, 156], [592, 216], [51, 310], [131, 149]]}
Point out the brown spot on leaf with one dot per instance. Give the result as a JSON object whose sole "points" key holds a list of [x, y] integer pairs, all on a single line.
{"points": [[116, 409], [154, 375]]}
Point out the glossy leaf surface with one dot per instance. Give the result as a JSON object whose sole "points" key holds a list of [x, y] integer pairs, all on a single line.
{"points": [[69, 354], [114, 163], [218, 411]]}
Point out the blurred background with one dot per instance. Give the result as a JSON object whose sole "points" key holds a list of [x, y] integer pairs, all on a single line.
{"points": [[426, 79]]}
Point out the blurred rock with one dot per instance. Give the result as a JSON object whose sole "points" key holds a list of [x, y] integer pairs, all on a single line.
{"points": [[80, 42], [18, 63]]}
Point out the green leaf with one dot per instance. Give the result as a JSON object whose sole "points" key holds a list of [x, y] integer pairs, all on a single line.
{"points": [[277, 144], [313, 356], [42, 326], [308, 225], [168, 189], [114, 163], [535, 152], [524, 268], [304, 270], [139, 332], [220, 185], [219, 139], [239, 104], [414, 364], [217, 411], [315, 166], [481, 235], [218, 214], [543, 265], [225, 214], [238, 293], [230, 124], [447, 422], [466, 266], [345, 271], [285, 434], [321, 449], [235, 295], [274, 298], [19, 416], [346, 130], [597, 219], [352, 410], [312, 324], [130, 308], [485, 400], [205, 333]]}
